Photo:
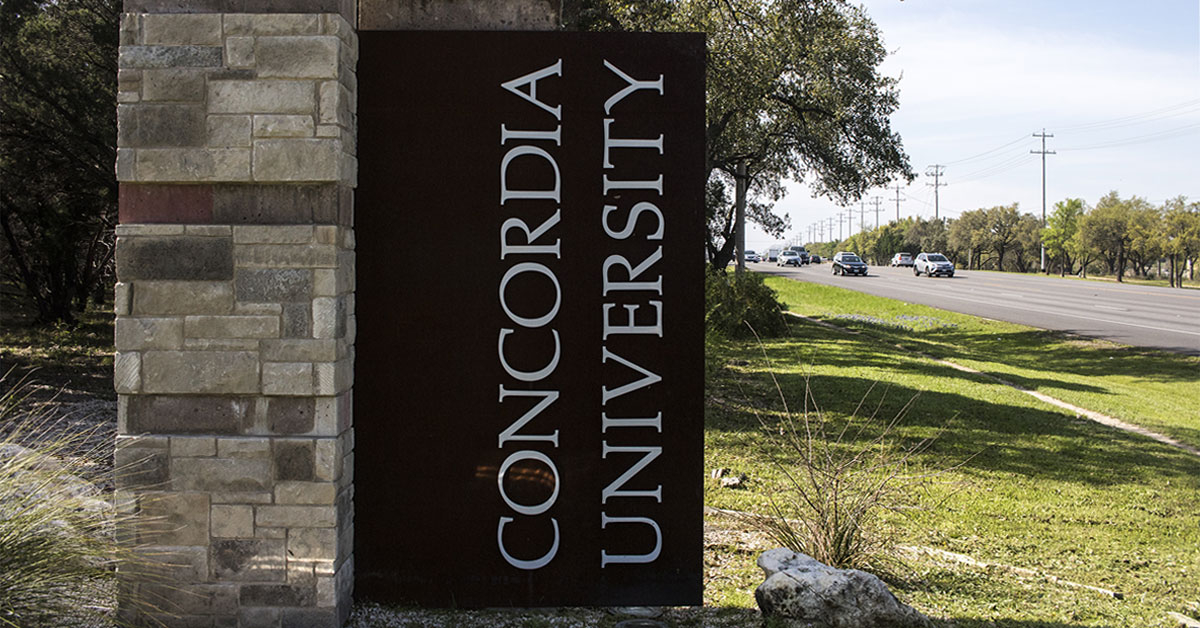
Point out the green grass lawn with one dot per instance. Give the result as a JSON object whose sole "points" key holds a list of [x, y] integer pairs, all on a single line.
{"points": [[1023, 484]]}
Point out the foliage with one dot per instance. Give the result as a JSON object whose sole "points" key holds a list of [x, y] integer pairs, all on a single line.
{"points": [[741, 306], [793, 92], [58, 133], [1059, 234], [60, 541], [1181, 237]]}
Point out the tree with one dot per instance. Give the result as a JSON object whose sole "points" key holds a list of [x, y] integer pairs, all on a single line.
{"points": [[58, 133], [1060, 229], [929, 235], [1106, 230], [1028, 250], [793, 92], [1181, 237], [968, 237], [1145, 235]]}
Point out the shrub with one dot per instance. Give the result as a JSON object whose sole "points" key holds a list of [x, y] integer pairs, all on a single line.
{"points": [[742, 306], [59, 547]]}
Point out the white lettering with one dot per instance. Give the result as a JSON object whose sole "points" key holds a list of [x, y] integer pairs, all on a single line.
{"points": [[548, 397], [634, 273], [606, 558], [656, 185], [648, 378], [631, 220], [611, 142], [531, 80], [633, 86], [630, 327], [533, 376], [534, 267], [506, 194], [528, 454], [607, 422], [528, 248], [614, 488], [554, 136], [526, 564]]}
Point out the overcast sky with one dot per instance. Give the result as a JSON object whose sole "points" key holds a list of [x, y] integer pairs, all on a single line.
{"points": [[1116, 82]]}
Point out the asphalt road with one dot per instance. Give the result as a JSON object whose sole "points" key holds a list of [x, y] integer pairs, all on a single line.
{"points": [[1145, 316]]}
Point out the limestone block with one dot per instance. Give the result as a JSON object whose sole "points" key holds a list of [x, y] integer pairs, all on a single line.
{"points": [[258, 616], [200, 372], [272, 234], [333, 378], [326, 591], [272, 24], [239, 52], [248, 560], [275, 285], [290, 415], [259, 309], [232, 521], [220, 344], [326, 460], [141, 464], [145, 57], [127, 372], [182, 297], [193, 446], [192, 165], [136, 334], [208, 231], [314, 493], [313, 57], [184, 258], [336, 106], [173, 84], [315, 159], [175, 29], [174, 519], [283, 126], [262, 532], [296, 322], [201, 600], [329, 317], [229, 131], [221, 474], [122, 299], [157, 125], [244, 448], [293, 459], [181, 564], [299, 350], [190, 414], [130, 29], [287, 378], [231, 326], [295, 516], [278, 256], [150, 230], [126, 166], [297, 97]]}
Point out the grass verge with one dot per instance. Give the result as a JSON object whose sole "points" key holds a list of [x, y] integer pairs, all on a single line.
{"points": [[1039, 489]]}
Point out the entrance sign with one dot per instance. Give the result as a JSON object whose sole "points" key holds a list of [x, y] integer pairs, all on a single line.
{"points": [[529, 302]]}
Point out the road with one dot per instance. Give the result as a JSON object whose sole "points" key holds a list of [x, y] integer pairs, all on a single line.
{"points": [[1145, 316]]}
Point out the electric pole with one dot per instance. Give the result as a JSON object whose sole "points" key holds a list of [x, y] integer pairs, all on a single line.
{"points": [[898, 199], [877, 200], [831, 227], [839, 226], [739, 225], [862, 213], [1043, 153], [937, 170]]}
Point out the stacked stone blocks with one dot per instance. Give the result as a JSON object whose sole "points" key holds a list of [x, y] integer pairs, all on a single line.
{"points": [[235, 321]]}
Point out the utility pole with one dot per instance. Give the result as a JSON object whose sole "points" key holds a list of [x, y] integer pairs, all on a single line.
{"points": [[862, 212], [839, 226], [877, 200], [898, 199], [831, 227], [937, 170], [1043, 153]]}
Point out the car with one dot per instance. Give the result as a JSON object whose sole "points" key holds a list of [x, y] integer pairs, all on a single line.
{"points": [[751, 256], [932, 265], [847, 263], [789, 258], [802, 252], [815, 259], [902, 259]]}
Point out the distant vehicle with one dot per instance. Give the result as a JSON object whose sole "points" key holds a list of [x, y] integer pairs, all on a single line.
{"points": [[751, 256], [789, 258], [815, 259], [801, 251], [933, 264], [902, 259], [847, 263], [773, 254]]}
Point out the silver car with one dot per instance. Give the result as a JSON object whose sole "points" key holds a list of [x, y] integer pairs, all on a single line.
{"points": [[932, 265]]}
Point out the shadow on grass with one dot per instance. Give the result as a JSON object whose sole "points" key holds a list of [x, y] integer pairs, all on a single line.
{"points": [[996, 436]]}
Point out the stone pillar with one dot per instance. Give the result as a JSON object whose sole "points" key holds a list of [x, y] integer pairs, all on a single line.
{"points": [[235, 306]]}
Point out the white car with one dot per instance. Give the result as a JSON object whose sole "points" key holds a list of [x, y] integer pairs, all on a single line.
{"points": [[932, 265], [902, 259], [789, 258], [751, 256]]}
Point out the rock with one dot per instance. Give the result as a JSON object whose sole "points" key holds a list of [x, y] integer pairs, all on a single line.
{"points": [[733, 481], [808, 593]]}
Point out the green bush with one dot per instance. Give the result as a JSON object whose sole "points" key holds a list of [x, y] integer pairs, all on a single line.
{"points": [[742, 306]]}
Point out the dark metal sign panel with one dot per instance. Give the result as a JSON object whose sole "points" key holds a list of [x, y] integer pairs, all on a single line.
{"points": [[528, 399]]}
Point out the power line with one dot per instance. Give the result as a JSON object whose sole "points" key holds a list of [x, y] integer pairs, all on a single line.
{"points": [[1142, 139], [1137, 118]]}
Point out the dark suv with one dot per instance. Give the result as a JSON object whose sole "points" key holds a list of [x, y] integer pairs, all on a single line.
{"points": [[846, 263]]}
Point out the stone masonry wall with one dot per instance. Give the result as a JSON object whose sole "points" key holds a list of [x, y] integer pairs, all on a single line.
{"points": [[235, 311]]}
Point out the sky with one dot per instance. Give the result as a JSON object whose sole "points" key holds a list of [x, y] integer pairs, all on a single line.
{"points": [[1116, 82]]}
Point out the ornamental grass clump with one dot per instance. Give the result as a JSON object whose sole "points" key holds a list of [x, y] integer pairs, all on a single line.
{"points": [[60, 550], [840, 478]]}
